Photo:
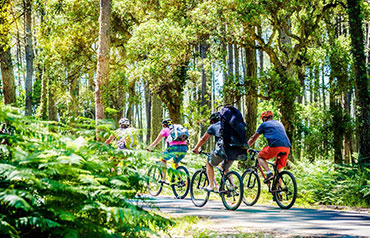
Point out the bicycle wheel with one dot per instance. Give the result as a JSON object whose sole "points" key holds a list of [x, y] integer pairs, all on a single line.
{"points": [[154, 186], [231, 190], [181, 181], [286, 190], [252, 187], [198, 195]]}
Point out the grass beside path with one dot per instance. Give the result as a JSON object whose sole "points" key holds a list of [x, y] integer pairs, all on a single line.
{"points": [[195, 227]]}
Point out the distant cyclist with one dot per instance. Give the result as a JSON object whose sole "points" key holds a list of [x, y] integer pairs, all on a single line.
{"points": [[176, 149], [214, 159], [277, 139], [126, 135]]}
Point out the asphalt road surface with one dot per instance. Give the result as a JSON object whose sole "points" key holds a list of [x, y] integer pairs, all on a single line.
{"points": [[295, 221]]}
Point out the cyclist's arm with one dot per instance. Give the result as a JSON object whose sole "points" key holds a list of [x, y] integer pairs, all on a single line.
{"points": [[253, 139], [110, 139], [201, 142], [155, 142]]}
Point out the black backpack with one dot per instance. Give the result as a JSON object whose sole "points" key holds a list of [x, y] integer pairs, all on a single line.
{"points": [[233, 132]]}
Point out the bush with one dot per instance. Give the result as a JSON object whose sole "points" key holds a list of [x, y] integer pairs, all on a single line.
{"points": [[322, 182], [61, 186]]}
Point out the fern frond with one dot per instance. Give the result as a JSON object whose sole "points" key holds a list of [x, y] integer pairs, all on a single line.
{"points": [[15, 201], [42, 223], [7, 229]]}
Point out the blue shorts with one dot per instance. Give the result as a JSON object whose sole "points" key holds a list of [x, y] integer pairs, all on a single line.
{"points": [[177, 152]]}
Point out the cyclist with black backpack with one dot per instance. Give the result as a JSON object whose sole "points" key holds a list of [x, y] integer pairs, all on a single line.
{"points": [[216, 156], [176, 137]]}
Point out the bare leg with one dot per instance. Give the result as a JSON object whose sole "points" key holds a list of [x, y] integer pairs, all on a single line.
{"points": [[164, 163], [210, 175], [226, 171], [263, 163]]}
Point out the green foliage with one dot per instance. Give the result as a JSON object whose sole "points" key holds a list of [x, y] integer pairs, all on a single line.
{"points": [[322, 182], [53, 183]]}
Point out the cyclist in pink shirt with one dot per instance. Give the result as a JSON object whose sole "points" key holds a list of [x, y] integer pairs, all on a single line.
{"points": [[175, 149]]}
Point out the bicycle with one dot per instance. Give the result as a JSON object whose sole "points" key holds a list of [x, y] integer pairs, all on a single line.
{"points": [[179, 181], [230, 190], [283, 187]]}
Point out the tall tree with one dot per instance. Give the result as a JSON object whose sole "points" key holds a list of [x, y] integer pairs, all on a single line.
{"points": [[103, 56], [7, 75], [356, 16], [29, 55]]}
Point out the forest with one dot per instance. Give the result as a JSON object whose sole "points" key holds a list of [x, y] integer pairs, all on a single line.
{"points": [[70, 69]]}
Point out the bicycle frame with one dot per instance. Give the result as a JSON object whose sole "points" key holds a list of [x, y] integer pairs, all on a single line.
{"points": [[223, 177], [257, 167]]}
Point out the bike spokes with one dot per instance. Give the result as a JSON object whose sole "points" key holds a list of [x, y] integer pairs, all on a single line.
{"points": [[286, 190], [231, 190]]}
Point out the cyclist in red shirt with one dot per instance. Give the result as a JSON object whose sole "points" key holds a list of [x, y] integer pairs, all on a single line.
{"points": [[277, 139]]}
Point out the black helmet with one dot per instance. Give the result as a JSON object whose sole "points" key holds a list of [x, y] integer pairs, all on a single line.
{"points": [[167, 122], [215, 117]]}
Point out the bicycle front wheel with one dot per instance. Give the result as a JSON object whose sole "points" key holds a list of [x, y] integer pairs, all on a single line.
{"points": [[285, 193], [198, 183], [252, 187], [231, 190], [181, 181], [154, 184]]}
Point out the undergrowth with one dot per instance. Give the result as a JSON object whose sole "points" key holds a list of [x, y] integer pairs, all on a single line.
{"points": [[60, 184]]}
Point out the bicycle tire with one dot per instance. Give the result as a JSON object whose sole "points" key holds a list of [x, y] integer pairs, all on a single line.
{"points": [[181, 187], [198, 195], [285, 196], [252, 187], [154, 186], [231, 190]]}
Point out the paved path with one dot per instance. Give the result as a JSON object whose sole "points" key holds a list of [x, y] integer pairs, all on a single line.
{"points": [[295, 221]]}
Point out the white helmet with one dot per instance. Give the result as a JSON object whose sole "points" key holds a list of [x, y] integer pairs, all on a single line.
{"points": [[124, 122]]}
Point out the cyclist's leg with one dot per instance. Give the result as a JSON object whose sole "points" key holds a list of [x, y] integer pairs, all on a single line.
{"points": [[167, 155], [265, 154], [283, 158], [213, 160], [179, 151], [226, 164]]}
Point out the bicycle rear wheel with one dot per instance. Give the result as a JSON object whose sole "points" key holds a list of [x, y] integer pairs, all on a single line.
{"points": [[285, 193], [154, 184], [198, 183], [252, 187], [231, 190], [181, 181]]}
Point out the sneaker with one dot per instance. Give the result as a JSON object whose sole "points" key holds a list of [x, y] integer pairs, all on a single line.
{"points": [[279, 195], [268, 178], [208, 189]]}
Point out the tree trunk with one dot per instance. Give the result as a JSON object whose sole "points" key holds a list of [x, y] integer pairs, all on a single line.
{"points": [[44, 97], [348, 136], [7, 76], [251, 89], [204, 92], [148, 103], [156, 116], [131, 98], [103, 57], [260, 52], [73, 96], [52, 110], [228, 84], [336, 123], [237, 77], [356, 16], [323, 87], [29, 55]]}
